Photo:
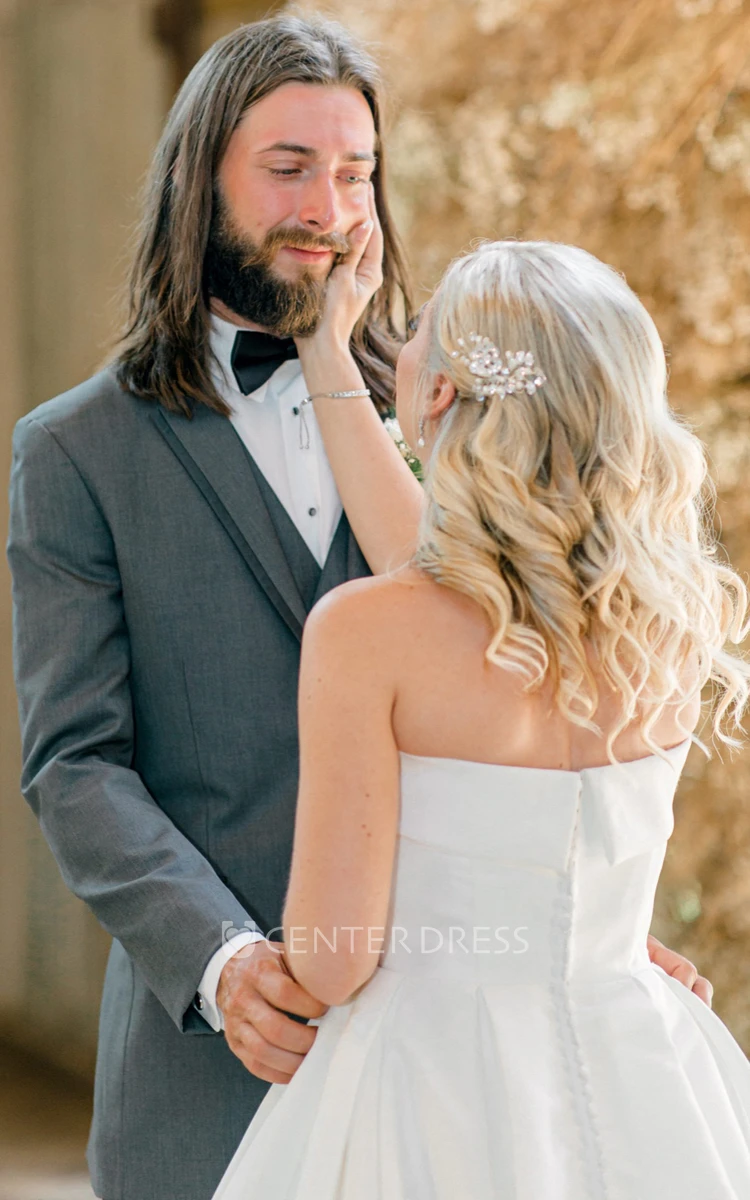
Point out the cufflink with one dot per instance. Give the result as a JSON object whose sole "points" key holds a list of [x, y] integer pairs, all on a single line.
{"points": [[199, 1002]]}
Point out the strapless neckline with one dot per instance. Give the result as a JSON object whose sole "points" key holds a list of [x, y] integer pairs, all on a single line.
{"points": [[473, 762]]}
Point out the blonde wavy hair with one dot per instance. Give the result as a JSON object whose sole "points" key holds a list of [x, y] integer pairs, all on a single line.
{"points": [[580, 515]]}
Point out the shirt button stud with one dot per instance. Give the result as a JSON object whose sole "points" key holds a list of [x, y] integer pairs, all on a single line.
{"points": [[295, 410], [311, 512]]}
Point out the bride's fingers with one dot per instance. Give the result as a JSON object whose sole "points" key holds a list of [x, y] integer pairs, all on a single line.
{"points": [[371, 261], [365, 258], [358, 239]]}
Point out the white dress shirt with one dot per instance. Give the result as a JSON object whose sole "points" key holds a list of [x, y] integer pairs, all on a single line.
{"points": [[268, 421]]}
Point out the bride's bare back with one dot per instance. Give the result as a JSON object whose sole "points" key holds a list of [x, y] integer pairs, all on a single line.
{"points": [[452, 703]]}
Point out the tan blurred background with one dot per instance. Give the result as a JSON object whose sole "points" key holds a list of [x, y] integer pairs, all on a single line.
{"points": [[624, 127]]}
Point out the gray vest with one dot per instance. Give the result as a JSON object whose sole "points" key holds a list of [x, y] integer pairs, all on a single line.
{"points": [[311, 580]]}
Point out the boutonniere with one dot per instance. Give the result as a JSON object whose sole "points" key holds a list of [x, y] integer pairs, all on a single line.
{"points": [[394, 429]]}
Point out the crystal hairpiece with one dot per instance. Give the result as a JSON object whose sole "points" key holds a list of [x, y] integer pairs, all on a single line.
{"points": [[498, 375]]}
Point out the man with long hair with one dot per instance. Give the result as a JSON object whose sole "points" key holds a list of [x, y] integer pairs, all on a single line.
{"points": [[173, 521]]}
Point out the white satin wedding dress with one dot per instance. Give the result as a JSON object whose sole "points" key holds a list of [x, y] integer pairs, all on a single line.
{"points": [[534, 1053]]}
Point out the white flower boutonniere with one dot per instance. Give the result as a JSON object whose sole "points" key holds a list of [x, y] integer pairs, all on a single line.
{"points": [[394, 429]]}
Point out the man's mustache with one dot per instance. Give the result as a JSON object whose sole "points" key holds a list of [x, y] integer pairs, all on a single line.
{"points": [[298, 239]]}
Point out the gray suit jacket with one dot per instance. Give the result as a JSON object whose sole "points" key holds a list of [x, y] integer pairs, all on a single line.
{"points": [[158, 601]]}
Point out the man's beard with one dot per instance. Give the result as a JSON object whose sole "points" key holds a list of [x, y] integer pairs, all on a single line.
{"points": [[240, 273]]}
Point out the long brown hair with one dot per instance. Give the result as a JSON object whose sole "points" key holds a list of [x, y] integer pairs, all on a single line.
{"points": [[164, 351]]}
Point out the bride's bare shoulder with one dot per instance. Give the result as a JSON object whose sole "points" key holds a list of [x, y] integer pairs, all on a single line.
{"points": [[378, 591], [385, 606]]}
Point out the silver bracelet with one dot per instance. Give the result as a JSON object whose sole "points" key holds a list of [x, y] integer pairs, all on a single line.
{"points": [[322, 396]]}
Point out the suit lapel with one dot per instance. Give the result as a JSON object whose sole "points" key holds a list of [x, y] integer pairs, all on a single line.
{"points": [[211, 452], [357, 566]]}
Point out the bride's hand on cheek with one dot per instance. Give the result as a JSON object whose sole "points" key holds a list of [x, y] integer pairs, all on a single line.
{"points": [[351, 285]]}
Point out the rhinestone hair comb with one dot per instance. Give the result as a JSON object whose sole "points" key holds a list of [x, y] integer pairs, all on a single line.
{"points": [[496, 374]]}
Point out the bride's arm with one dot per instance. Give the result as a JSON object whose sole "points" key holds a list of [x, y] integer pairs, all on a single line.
{"points": [[381, 497], [347, 813]]}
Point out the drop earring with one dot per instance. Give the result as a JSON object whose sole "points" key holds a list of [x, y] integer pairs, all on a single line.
{"points": [[420, 439]]}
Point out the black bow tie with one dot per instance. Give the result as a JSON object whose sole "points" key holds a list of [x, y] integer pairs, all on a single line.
{"points": [[255, 357]]}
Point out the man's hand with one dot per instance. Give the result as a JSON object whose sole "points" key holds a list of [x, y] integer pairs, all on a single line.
{"points": [[680, 968], [253, 987]]}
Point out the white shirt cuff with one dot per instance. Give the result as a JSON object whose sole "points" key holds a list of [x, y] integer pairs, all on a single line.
{"points": [[206, 999]]}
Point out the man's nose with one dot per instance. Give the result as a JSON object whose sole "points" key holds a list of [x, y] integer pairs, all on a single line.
{"points": [[320, 210]]}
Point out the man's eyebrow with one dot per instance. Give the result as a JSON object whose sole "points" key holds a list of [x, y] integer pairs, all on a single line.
{"points": [[359, 156], [310, 152]]}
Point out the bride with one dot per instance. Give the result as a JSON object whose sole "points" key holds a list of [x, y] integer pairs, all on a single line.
{"points": [[491, 737]]}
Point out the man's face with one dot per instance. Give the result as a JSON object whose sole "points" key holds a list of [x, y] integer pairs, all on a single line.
{"points": [[293, 184]]}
